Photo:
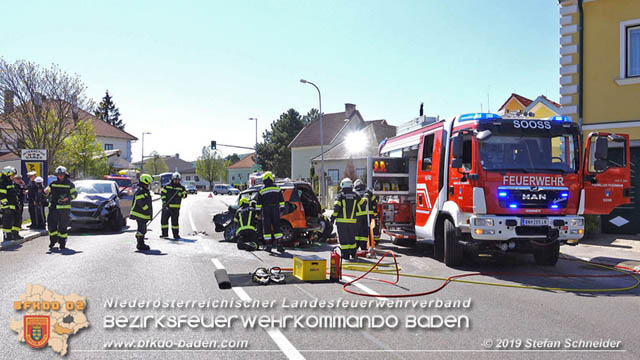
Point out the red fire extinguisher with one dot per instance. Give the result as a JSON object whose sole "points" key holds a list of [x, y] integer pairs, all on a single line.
{"points": [[336, 267]]}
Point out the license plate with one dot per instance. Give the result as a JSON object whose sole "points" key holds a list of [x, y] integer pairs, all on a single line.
{"points": [[535, 222]]}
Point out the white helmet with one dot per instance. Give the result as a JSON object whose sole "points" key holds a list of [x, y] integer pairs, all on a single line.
{"points": [[61, 170], [357, 183], [176, 175], [346, 183], [39, 180]]}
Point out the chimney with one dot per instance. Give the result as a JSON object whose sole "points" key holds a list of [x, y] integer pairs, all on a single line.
{"points": [[349, 110], [177, 156], [8, 101]]}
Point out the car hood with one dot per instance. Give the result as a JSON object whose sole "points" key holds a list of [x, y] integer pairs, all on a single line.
{"points": [[94, 198]]}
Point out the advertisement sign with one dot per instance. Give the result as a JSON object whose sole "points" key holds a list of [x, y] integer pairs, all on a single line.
{"points": [[34, 160]]}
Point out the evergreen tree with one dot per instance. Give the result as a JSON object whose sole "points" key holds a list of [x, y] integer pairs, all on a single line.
{"points": [[273, 153], [108, 112]]}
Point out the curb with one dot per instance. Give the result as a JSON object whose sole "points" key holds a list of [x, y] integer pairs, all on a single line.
{"points": [[32, 235], [628, 264]]}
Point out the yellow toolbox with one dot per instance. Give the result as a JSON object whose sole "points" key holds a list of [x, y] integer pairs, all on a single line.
{"points": [[309, 268]]}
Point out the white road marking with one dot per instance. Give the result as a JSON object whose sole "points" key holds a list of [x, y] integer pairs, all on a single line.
{"points": [[276, 335], [368, 290]]}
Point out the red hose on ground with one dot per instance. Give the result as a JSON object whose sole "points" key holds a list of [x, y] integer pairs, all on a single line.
{"points": [[450, 278]]}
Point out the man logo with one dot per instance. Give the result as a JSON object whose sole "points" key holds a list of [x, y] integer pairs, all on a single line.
{"points": [[534, 197], [36, 330]]}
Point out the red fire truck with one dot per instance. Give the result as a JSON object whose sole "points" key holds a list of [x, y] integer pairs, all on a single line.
{"points": [[483, 183]]}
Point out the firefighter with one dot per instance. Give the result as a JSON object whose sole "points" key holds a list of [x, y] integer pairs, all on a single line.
{"points": [[344, 214], [40, 199], [270, 201], [367, 211], [172, 195], [142, 210], [21, 191], [8, 202], [60, 193], [32, 196], [246, 231]]}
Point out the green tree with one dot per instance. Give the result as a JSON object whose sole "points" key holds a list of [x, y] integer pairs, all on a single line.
{"points": [[82, 154], [210, 166], [108, 112], [233, 157], [39, 106], [155, 164], [273, 153], [312, 115]]}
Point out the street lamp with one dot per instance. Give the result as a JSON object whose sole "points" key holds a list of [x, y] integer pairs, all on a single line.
{"points": [[256, 120], [142, 163], [322, 182]]}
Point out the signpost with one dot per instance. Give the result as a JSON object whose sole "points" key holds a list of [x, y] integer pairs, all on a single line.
{"points": [[35, 160]]}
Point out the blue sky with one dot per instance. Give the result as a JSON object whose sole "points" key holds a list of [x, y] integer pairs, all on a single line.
{"points": [[195, 71]]}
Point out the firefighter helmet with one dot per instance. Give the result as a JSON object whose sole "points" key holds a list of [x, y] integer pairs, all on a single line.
{"points": [[357, 183], [346, 183], [39, 180], [267, 176], [176, 176], [7, 170], [146, 179], [61, 170], [244, 201]]}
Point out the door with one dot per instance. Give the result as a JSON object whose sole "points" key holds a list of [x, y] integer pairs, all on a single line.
{"points": [[606, 173], [429, 175], [625, 219]]}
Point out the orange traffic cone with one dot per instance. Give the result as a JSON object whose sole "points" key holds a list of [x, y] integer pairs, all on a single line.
{"points": [[210, 195]]}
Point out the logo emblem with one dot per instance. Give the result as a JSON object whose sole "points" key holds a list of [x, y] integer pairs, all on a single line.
{"points": [[36, 330]]}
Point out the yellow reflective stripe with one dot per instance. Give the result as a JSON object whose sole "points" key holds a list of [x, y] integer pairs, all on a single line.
{"points": [[166, 226], [6, 230], [10, 186], [64, 236], [60, 185], [245, 228], [282, 203], [258, 206], [175, 227], [3, 191], [353, 210], [12, 207], [362, 238], [176, 206], [73, 189], [344, 209], [145, 207], [141, 216], [63, 206], [346, 221], [140, 196], [348, 246], [361, 213], [53, 233], [16, 228]]}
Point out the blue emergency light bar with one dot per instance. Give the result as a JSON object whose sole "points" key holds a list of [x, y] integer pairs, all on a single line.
{"points": [[513, 206], [559, 118], [554, 206], [502, 194], [479, 116]]}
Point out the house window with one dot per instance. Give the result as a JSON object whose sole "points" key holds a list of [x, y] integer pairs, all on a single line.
{"points": [[334, 174], [633, 51], [233, 178], [188, 178], [108, 146], [196, 178]]}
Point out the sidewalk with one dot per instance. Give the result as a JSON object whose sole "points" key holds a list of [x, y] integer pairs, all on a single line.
{"points": [[29, 234]]}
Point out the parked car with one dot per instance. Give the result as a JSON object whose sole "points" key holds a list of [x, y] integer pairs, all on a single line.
{"points": [[225, 189], [191, 189], [100, 204], [302, 218]]}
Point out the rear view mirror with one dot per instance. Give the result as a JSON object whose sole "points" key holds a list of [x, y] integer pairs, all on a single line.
{"points": [[457, 147], [600, 165], [602, 148], [616, 138]]}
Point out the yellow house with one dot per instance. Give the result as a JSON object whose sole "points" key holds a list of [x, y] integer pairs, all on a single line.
{"points": [[542, 107], [600, 80]]}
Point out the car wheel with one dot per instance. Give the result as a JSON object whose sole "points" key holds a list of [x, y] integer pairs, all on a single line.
{"points": [[116, 221], [325, 230], [287, 232], [453, 250], [230, 232], [215, 193]]}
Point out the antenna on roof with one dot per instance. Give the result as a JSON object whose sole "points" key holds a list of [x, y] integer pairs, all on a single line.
{"points": [[421, 109], [488, 102]]}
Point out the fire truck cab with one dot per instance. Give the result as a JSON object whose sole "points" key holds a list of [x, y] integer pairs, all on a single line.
{"points": [[484, 183]]}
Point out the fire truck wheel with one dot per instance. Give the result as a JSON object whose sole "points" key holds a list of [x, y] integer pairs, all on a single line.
{"points": [[547, 255], [453, 250]]}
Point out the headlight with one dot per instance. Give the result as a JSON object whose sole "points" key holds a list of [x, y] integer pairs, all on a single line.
{"points": [[577, 222], [483, 222]]}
